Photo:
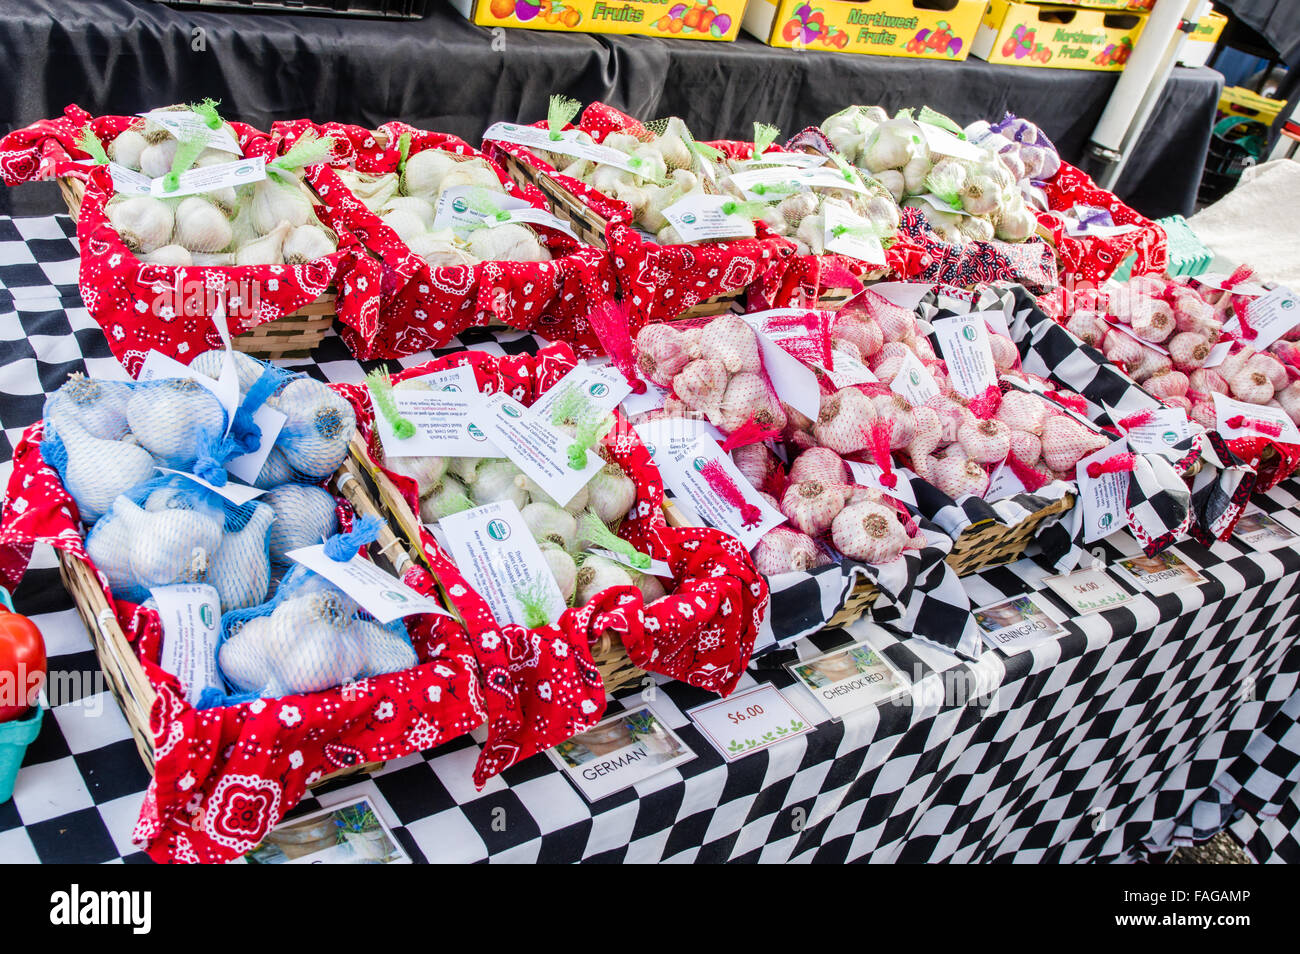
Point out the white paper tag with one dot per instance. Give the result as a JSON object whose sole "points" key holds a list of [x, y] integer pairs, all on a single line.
{"points": [[567, 145], [914, 382], [1074, 223], [1003, 483], [1088, 591], [794, 382], [1168, 426], [681, 474], [850, 678], [459, 378], [1271, 315], [1105, 500], [1018, 624], [945, 143], [797, 160], [247, 467], [237, 494], [128, 181], [191, 620], [1127, 330], [211, 178], [653, 399], [1215, 281], [848, 370], [749, 721], [865, 248], [184, 123], [602, 384], [1226, 408], [964, 345], [618, 752], [453, 211], [939, 204], [378, 592], [493, 547], [1161, 574], [868, 475], [906, 295], [673, 435], [447, 424], [538, 448], [656, 567], [700, 217]]}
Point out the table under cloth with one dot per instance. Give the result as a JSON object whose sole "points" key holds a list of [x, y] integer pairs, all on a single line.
{"points": [[1081, 749], [443, 73]]}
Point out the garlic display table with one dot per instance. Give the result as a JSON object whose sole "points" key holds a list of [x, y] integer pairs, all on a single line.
{"points": [[1082, 749], [445, 74]]}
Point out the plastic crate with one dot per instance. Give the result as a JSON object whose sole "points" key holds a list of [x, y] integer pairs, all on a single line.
{"points": [[385, 9]]}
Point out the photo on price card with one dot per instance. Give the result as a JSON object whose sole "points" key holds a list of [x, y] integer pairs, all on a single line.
{"points": [[348, 834], [620, 751], [1016, 624], [848, 678], [1257, 528], [1162, 573]]}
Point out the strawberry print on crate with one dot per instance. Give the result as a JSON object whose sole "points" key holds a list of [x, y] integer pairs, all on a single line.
{"points": [[418, 307]]}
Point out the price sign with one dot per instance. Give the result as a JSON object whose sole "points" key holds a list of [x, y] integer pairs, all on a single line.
{"points": [[749, 721], [1089, 591]]}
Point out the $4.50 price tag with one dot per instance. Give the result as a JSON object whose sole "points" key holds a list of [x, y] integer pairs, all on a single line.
{"points": [[749, 721]]}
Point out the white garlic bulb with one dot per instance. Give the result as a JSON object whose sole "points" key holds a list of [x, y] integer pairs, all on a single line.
{"points": [[306, 243], [97, 407], [507, 243], [144, 223], [240, 569], [421, 208], [424, 172], [596, 575], [201, 226], [304, 516], [126, 147], [439, 252], [177, 255], [219, 258], [382, 650], [612, 493], [274, 203], [318, 426], [174, 419], [562, 568], [156, 160], [267, 250], [98, 470]]}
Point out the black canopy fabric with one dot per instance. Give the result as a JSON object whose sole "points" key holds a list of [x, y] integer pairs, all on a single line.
{"points": [[443, 73], [1277, 21]]}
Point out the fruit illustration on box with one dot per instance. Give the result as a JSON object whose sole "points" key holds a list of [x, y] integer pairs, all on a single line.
{"points": [[700, 18], [1115, 55], [939, 40], [550, 11], [808, 27]]}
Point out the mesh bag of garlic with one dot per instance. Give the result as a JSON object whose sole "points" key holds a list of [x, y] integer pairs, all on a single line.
{"points": [[201, 757], [706, 607], [659, 276], [394, 185]]}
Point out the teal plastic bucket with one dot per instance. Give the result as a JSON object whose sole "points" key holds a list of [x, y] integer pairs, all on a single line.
{"points": [[15, 735]]}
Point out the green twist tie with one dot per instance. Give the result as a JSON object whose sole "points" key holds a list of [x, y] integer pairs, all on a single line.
{"points": [[532, 600], [307, 151], [592, 528], [187, 151], [207, 110], [89, 144], [562, 111], [636, 162], [748, 210], [775, 188], [381, 388], [590, 424], [705, 151], [484, 203], [856, 231], [846, 170], [403, 150], [764, 136]]}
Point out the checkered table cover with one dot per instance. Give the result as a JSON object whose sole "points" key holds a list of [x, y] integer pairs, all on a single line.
{"points": [[1084, 748]]}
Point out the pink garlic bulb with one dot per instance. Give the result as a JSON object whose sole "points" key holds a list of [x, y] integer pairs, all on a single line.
{"points": [[701, 384], [870, 532], [844, 424], [729, 339], [819, 463], [661, 353], [811, 505], [928, 433], [923, 349], [1153, 320], [957, 476], [1022, 411], [951, 415], [1189, 349], [1251, 386], [782, 550], [1152, 362], [1088, 328], [893, 407], [896, 323], [1271, 368], [748, 395], [1066, 442], [1192, 313], [1027, 448], [1166, 384], [1208, 380], [1005, 355], [1179, 400], [756, 463], [859, 329], [1203, 413], [1235, 361], [985, 442], [1289, 400], [1121, 349]]}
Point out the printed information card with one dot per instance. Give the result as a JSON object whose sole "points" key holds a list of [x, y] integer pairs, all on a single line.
{"points": [[1088, 591], [618, 752], [849, 678], [191, 621], [1018, 624], [380, 594], [749, 721], [1161, 574]]}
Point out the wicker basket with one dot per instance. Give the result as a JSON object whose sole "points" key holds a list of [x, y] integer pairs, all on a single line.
{"points": [[126, 676], [293, 336], [608, 653], [994, 543]]}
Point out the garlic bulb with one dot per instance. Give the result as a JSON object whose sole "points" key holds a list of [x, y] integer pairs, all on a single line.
{"points": [[98, 471], [310, 645], [596, 575], [144, 223], [176, 255], [274, 203], [126, 147], [242, 657], [507, 243], [174, 419], [495, 480], [447, 496], [97, 407], [201, 226], [562, 568], [421, 208], [439, 252], [306, 243], [318, 426], [536, 494], [240, 569], [406, 224], [220, 258], [382, 650], [425, 471], [553, 524], [611, 493], [169, 546], [275, 471], [472, 173], [373, 192], [266, 250], [424, 172], [304, 516], [156, 160]]}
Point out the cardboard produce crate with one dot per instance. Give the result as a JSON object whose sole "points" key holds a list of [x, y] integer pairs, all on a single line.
{"points": [[916, 28], [688, 20], [1056, 36]]}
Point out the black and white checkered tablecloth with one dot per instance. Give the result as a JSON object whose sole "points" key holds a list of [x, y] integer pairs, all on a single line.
{"points": [[1081, 749]]}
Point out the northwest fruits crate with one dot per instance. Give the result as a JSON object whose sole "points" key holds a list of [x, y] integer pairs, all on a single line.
{"points": [[382, 9], [293, 336], [126, 676], [616, 669]]}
